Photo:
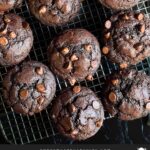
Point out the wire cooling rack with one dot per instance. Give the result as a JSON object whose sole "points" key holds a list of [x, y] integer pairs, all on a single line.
{"points": [[20, 129]]}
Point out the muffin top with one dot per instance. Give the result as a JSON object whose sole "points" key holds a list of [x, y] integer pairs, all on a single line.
{"points": [[29, 87], [74, 55], [127, 38], [127, 94], [54, 12], [78, 113], [119, 4], [16, 39]]}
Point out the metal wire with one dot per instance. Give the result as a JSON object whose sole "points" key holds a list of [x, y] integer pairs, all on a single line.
{"points": [[20, 129]]}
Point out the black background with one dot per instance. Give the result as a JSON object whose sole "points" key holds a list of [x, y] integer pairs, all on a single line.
{"points": [[117, 135]]}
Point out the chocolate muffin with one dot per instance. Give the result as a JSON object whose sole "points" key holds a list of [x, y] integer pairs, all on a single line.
{"points": [[6, 5], [75, 55], [54, 12], [127, 94], [119, 4], [78, 113], [29, 88], [127, 38], [16, 39]]}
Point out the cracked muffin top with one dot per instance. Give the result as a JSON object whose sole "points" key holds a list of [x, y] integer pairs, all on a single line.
{"points": [[74, 55], [78, 113], [127, 94], [16, 39], [29, 88], [54, 12], [119, 4], [127, 38], [6, 5]]}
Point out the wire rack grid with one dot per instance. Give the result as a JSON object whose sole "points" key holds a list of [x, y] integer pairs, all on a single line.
{"points": [[18, 129]]}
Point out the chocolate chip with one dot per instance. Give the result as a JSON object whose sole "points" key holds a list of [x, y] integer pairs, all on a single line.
{"points": [[112, 97], [99, 124], [107, 35], [66, 8], [12, 35], [90, 77], [3, 41], [123, 65], [142, 28], [41, 100], [77, 89], [65, 51], [72, 81], [115, 82], [127, 36], [39, 70], [148, 106], [126, 17], [68, 65], [72, 108], [7, 20], [105, 50], [96, 105], [108, 24], [40, 88], [23, 94], [74, 57], [88, 47], [140, 16], [75, 132], [42, 10]]}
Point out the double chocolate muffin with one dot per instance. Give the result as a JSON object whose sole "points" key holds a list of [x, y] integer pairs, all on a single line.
{"points": [[16, 39], [119, 4], [127, 94], [75, 55], [29, 88], [6, 5], [54, 12], [78, 113], [127, 38]]}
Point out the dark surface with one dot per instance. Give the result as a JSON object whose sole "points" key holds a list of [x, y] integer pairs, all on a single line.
{"points": [[129, 38], [29, 88], [78, 113], [82, 45], [56, 12], [6, 5], [121, 132], [127, 94], [119, 4], [2, 139], [16, 39]]}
